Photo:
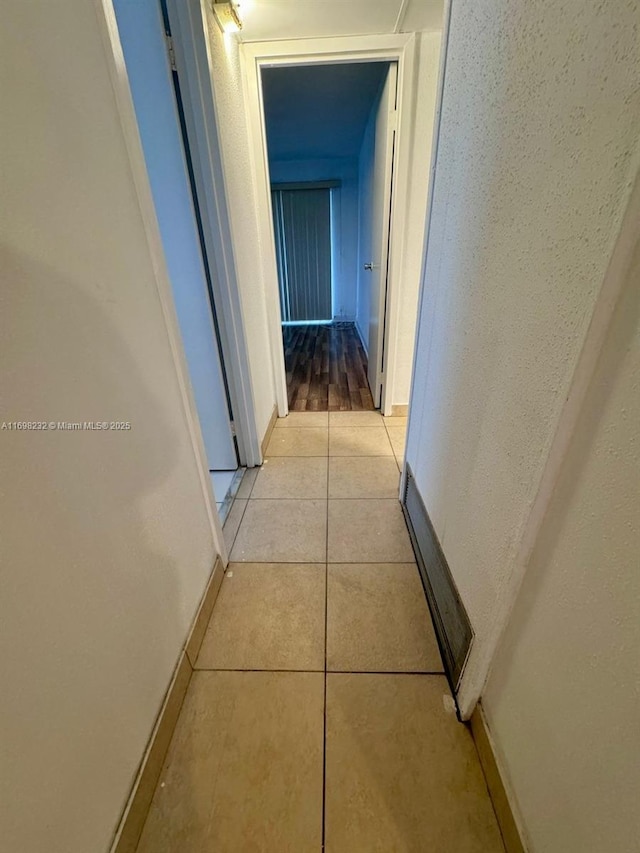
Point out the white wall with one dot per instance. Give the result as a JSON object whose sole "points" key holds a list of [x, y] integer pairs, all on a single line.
{"points": [[106, 539], [562, 699], [426, 76], [538, 146], [345, 210], [241, 196]]}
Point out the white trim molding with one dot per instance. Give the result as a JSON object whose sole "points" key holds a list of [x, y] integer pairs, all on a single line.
{"points": [[444, 41], [124, 103], [193, 60], [378, 48]]}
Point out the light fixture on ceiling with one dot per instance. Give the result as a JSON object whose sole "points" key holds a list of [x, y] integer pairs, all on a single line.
{"points": [[227, 16]]}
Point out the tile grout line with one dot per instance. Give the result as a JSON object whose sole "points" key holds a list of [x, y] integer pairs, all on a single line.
{"points": [[331, 456], [326, 622], [255, 480], [323, 562], [421, 672], [392, 447], [298, 500], [246, 506], [257, 669], [399, 462], [389, 440]]}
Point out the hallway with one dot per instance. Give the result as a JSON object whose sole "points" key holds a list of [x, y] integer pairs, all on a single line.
{"points": [[318, 715]]}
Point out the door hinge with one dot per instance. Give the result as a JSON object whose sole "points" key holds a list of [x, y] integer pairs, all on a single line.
{"points": [[233, 428], [171, 53]]}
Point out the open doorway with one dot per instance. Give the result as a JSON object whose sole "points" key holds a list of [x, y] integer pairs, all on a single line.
{"points": [[330, 136], [143, 29]]}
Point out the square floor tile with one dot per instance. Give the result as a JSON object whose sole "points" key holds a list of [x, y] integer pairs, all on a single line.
{"points": [[363, 477], [401, 772], [297, 441], [359, 441], [303, 419], [292, 477], [397, 437], [358, 419], [244, 769], [378, 620], [232, 522], [282, 531], [267, 616], [368, 531], [396, 421]]}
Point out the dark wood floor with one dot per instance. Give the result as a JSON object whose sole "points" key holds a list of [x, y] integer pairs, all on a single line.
{"points": [[326, 369]]}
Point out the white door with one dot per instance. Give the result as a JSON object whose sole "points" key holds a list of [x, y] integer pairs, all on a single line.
{"points": [[377, 266], [143, 41]]}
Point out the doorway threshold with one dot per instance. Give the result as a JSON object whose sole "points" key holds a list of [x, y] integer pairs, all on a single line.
{"points": [[225, 486]]}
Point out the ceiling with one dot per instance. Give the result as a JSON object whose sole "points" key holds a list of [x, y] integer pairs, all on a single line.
{"points": [[318, 111], [266, 20]]}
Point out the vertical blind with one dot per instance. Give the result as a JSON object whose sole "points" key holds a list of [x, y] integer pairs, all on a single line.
{"points": [[302, 226]]}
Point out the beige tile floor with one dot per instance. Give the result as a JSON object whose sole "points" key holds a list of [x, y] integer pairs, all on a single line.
{"points": [[316, 718]]}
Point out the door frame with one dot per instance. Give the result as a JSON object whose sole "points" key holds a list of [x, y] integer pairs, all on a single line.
{"points": [[384, 162], [194, 298], [193, 61], [254, 56], [107, 23], [435, 138]]}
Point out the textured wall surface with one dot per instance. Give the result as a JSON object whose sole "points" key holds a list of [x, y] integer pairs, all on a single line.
{"points": [[241, 195], [106, 540], [563, 695], [538, 146]]}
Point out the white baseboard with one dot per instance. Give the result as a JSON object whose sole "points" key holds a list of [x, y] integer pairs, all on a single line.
{"points": [[507, 815], [135, 812]]}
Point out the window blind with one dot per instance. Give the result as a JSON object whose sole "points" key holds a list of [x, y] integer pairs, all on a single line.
{"points": [[302, 228]]}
